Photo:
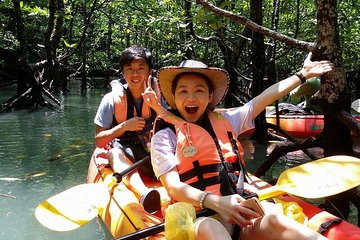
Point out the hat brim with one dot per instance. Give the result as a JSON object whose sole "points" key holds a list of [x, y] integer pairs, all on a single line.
{"points": [[219, 77]]}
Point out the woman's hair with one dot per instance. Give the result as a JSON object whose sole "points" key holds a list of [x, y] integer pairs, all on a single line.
{"points": [[135, 52], [207, 80]]}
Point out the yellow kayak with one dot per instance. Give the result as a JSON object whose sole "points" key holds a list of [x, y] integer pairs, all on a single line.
{"points": [[124, 215]]}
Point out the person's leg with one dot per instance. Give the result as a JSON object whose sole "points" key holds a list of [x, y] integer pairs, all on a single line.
{"points": [[275, 226], [149, 198], [119, 163], [208, 228]]}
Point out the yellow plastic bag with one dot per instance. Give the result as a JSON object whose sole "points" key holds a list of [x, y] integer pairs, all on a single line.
{"points": [[179, 221], [293, 210]]}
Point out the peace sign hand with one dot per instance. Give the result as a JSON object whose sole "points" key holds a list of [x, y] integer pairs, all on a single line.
{"points": [[150, 97]]}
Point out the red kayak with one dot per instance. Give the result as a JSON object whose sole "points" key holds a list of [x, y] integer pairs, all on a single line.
{"points": [[299, 126]]}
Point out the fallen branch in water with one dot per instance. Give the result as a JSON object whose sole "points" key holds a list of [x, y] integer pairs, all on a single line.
{"points": [[6, 195]]}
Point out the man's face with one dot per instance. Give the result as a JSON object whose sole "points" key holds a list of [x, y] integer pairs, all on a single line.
{"points": [[136, 74]]}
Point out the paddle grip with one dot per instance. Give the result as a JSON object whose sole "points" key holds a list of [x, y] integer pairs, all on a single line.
{"points": [[130, 169], [143, 233]]}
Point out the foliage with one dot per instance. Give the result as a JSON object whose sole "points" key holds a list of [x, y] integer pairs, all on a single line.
{"points": [[161, 26], [349, 23]]}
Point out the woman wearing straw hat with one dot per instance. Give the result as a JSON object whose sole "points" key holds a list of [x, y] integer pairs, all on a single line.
{"points": [[194, 147]]}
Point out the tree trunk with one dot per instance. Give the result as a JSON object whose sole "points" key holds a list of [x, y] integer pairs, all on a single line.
{"points": [[189, 53], [26, 96], [258, 66], [109, 43], [271, 72], [23, 81], [334, 94], [52, 40], [336, 136], [83, 57]]}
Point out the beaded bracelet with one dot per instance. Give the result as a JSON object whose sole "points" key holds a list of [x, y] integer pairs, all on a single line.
{"points": [[202, 199], [301, 77]]}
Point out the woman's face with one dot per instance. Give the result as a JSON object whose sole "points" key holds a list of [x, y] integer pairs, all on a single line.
{"points": [[192, 96]]}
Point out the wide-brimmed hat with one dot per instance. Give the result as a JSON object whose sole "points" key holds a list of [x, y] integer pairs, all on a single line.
{"points": [[219, 78]]}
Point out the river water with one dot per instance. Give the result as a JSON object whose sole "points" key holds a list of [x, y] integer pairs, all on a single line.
{"points": [[45, 152]]}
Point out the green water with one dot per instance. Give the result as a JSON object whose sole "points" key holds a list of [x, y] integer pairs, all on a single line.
{"points": [[43, 153]]}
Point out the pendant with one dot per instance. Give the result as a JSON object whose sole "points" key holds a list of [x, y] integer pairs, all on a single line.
{"points": [[189, 151]]}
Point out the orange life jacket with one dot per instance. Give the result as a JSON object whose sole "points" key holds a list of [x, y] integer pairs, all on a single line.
{"points": [[199, 158], [124, 109], [121, 95]]}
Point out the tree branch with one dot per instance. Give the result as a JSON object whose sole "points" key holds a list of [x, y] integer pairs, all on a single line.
{"points": [[350, 122], [305, 46]]}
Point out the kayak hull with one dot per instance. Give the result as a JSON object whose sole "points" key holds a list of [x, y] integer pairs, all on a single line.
{"points": [[299, 126], [124, 215]]}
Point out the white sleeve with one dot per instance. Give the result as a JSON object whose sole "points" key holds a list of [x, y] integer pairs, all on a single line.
{"points": [[241, 117], [105, 113], [163, 147]]}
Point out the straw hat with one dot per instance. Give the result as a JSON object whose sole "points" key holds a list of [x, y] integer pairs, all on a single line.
{"points": [[219, 77]]}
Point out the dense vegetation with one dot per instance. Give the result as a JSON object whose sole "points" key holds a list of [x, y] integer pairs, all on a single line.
{"points": [[67, 38]]}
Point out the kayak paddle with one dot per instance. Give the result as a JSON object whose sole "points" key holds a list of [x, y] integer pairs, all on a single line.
{"points": [[80, 204], [356, 105], [74, 207], [316, 179]]}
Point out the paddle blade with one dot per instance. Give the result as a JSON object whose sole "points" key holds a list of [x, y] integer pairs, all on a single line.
{"points": [[356, 105], [73, 208], [321, 178]]}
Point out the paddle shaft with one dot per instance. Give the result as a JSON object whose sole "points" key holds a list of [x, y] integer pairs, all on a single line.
{"points": [[130, 169], [143, 233]]}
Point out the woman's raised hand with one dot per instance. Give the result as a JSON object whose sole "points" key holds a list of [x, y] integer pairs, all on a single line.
{"points": [[317, 68]]}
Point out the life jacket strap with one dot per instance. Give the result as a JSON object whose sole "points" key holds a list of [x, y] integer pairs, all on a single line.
{"points": [[205, 183], [199, 171], [209, 168]]}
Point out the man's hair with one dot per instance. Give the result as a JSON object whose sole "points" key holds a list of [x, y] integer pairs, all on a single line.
{"points": [[135, 52]]}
